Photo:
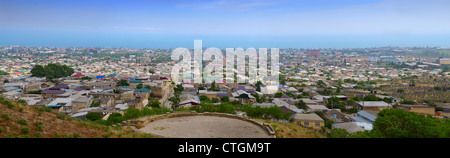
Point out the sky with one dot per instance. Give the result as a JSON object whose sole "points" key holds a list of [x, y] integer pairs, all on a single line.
{"points": [[225, 24]]}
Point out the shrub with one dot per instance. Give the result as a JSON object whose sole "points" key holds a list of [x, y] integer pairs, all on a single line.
{"points": [[60, 116], [20, 109], [76, 135], [8, 103], [37, 134], [23, 102], [44, 108], [22, 122], [5, 116], [40, 127], [25, 130], [114, 118], [1, 129], [94, 116]]}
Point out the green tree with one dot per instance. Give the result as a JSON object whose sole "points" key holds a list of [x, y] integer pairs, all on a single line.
{"points": [[203, 98], [301, 105], [371, 98], [139, 86], [213, 87], [151, 71], [122, 82], [258, 86], [225, 99], [131, 113], [95, 104], [321, 83], [397, 123], [178, 88], [175, 100], [278, 95], [115, 118], [154, 104]]}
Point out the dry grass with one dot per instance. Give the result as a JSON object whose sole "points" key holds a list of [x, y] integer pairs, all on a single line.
{"points": [[290, 130], [49, 125]]}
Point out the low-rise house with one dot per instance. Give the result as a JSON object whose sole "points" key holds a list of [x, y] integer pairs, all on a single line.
{"points": [[419, 109], [243, 96], [350, 127], [46, 94], [194, 101], [107, 102], [135, 82], [311, 120], [157, 87], [32, 101], [81, 103], [263, 105], [62, 105], [373, 105], [281, 103], [128, 95], [341, 97], [445, 109], [71, 81], [34, 86], [337, 116], [316, 108], [14, 94], [59, 87], [365, 116]]}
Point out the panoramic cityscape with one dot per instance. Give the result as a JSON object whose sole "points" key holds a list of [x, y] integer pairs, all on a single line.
{"points": [[142, 70]]}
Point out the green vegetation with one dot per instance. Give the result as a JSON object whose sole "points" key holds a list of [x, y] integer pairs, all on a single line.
{"points": [[278, 94], [3, 73], [22, 122], [7, 102], [52, 71], [133, 113], [5, 116], [178, 88], [273, 112], [122, 82], [95, 104], [151, 71], [154, 104], [328, 123], [214, 87], [23, 102], [44, 108], [397, 123], [25, 130], [35, 92], [94, 116]]}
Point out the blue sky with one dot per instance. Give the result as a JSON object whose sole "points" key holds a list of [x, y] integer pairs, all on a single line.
{"points": [[223, 24]]}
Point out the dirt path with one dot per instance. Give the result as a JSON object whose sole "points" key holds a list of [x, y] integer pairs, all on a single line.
{"points": [[204, 127]]}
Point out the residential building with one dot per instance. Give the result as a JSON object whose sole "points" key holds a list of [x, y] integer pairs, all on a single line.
{"points": [[311, 120], [372, 105]]}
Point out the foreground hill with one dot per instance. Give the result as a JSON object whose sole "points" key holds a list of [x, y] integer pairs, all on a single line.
{"points": [[20, 121], [290, 130]]}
